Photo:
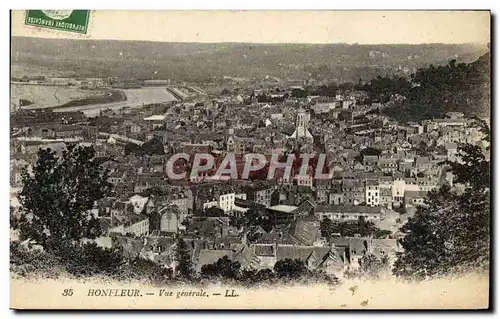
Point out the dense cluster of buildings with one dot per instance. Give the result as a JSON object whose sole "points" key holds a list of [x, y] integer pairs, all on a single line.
{"points": [[377, 166]]}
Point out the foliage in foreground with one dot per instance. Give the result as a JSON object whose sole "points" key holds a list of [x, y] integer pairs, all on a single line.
{"points": [[285, 271], [451, 233], [57, 196]]}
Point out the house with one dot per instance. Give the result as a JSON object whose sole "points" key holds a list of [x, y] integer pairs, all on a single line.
{"points": [[335, 199], [385, 249], [356, 248], [207, 226], [138, 202], [266, 253], [261, 194], [136, 224], [451, 151], [414, 198], [117, 177], [168, 219], [226, 201], [242, 254], [450, 122], [235, 144], [331, 260], [210, 203], [387, 164], [155, 121], [370, 160], [282, 214], [353, 192], [67, 131], [345, 213], [372, 193], [385, 197], [158, 249], [184, 201]]}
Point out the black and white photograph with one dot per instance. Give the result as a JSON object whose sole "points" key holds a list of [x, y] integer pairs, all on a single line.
{"points": [[250, 159]]}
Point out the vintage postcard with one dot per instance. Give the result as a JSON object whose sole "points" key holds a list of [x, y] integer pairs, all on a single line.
{"points": [[250, 159]]}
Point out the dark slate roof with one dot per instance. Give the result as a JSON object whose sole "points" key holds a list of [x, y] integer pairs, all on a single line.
{"points": [[305, 231], [301, 252], [246, 257]]}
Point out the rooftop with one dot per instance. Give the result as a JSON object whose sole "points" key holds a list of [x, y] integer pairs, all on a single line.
{"points": [[283, 208], [155, 118]]}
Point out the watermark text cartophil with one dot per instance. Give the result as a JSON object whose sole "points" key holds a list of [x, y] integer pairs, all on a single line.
{"points": [[253, 166]]}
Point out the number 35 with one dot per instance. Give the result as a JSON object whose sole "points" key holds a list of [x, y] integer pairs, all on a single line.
{"points": [[67, 292]]}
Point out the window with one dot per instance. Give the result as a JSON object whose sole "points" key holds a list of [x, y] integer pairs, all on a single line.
{"points": [[369, 194]]}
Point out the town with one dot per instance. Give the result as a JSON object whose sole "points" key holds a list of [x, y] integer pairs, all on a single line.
{"points": [[379, 170]]}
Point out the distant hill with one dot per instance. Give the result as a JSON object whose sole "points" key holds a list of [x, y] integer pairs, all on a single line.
{"points": [[204, 62]]}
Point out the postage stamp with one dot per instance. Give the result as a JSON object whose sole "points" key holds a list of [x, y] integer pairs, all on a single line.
{"points": [[63, 20]]}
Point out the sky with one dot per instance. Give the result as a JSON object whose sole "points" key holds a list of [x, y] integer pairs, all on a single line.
{"points": [[362, 27]]}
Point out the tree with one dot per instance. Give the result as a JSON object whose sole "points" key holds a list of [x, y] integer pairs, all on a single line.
{"points": [[58, 195], [90, 259], [209, 271], [254, 277], [213, 212], [473, 170], [349, 229], [184, 267], [290, 268], [264, 275], [371, 266], [452, 231], [367, 151], [140, 269], [326, 227], [434, 91], [425, 249], [227, 268], [131, 148], [223, 268], [153, 147], [299, 93], [236, 221], [254, 218], [423, 149]]}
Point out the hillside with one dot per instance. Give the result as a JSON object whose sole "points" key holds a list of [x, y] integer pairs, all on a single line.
{"points": [[457, 87], [204, 62]]}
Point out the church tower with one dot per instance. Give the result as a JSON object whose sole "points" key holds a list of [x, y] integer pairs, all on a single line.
{"points": [[302, 123], [302, 128]]}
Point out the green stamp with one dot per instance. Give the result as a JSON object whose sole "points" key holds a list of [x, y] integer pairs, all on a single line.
{"points": [[63, 20]]}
